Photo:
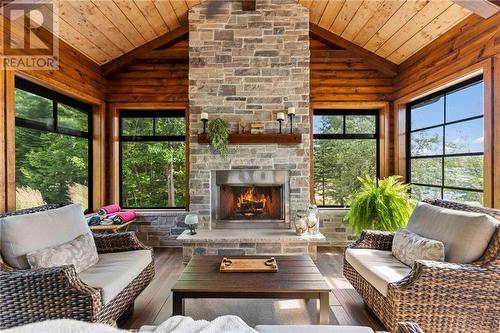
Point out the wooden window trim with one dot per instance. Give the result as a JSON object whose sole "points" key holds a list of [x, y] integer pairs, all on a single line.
{"points": [[484, 68], [384, 133], [114, 139]]}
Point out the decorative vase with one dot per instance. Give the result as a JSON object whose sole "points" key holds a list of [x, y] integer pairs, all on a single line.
{"points": [[312, 219], [300, 224]]}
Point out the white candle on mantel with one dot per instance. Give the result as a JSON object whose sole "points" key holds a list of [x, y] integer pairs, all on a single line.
{"points": [[291, 110], [280, 116], [204, 116]]}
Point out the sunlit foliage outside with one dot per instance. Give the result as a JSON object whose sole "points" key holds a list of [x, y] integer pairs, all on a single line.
{"points": [[153, 173], [51, 165]]}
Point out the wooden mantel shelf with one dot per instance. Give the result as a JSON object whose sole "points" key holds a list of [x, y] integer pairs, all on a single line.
{"points": [[251, 139]]}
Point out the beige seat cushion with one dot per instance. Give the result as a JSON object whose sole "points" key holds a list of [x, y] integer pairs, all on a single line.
{"points": [[114, 271], [465, 234], [23, 234], [377, 267]]}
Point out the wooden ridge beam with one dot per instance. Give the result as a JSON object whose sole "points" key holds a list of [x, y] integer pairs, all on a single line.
{"points": [[248, 5], [117, 64], [384, 66]]}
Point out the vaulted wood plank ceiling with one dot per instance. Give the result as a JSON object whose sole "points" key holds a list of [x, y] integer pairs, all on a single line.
{"points": [[393, 29]]}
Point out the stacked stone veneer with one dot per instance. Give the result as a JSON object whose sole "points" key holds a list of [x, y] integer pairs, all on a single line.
{"points": [[248, 66], [159, 229], [336, 231]]}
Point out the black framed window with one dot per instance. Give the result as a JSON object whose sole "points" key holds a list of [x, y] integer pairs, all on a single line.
{"points": [[345, 147], [153, 159], [53, 147], [445, 144]]}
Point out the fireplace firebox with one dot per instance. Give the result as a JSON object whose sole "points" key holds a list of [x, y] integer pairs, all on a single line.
{"points": [[250, 198]]}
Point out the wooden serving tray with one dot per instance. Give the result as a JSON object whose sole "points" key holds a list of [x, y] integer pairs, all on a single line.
{"points": [[248, 265]]}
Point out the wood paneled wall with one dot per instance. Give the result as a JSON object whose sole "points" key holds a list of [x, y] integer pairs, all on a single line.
{"points": [[161, 80], [339, 76], [470, 48], [78, 77], [338, 79]]}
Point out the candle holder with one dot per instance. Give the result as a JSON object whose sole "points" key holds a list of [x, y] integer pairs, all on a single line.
{"points": [[291, 115], [205, 121], [280, 121]]}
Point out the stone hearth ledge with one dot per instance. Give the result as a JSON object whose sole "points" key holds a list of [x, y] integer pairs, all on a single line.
{"points": [[240, 242]]}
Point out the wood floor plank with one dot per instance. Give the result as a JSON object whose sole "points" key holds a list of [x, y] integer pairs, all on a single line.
{"points": [[154, 305]]}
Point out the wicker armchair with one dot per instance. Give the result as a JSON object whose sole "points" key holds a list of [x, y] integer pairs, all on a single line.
{"points": [[439, 296], [28, 296]]}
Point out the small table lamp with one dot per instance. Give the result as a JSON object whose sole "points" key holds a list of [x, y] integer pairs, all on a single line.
{"points": [[191, 221]]}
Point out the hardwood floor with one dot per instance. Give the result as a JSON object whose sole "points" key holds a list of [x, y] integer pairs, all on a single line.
{"points": [[154, 305]]}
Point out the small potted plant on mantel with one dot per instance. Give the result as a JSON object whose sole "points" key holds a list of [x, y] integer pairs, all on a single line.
{"points": [[218, 134], [383, 204]]}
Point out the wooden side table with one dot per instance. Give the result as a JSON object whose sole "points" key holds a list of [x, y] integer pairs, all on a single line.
{"points": [[111, 228]]}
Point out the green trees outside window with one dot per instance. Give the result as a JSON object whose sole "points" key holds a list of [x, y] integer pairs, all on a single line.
{"points": [[153, 159], [445, 145], [52, 148], [345, 148]]}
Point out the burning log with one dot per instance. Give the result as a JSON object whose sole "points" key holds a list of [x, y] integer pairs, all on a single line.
{"points": [[251, 208]]}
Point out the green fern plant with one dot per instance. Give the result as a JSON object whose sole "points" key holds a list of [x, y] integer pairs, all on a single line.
{"points": [[218, 133], [383, 205]]}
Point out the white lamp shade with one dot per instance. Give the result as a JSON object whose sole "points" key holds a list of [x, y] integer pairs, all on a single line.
{"points": [[191, 219]]}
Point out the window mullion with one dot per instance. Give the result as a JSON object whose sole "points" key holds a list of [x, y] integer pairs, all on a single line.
{"points": [[444, 149], [54, 115]]}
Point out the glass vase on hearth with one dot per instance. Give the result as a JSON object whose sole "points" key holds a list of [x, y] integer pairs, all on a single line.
{"points": [[300, 224], [312, 219]]}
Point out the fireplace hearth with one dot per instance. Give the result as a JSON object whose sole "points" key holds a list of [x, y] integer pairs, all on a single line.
{"points": [[250, 198]]}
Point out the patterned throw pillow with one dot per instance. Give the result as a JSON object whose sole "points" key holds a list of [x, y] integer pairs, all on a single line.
{"points": [[80, 252], [408, 247]]}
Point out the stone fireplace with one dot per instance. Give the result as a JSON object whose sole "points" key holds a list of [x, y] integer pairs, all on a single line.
{"points": [[250, 199], [248, 66]]}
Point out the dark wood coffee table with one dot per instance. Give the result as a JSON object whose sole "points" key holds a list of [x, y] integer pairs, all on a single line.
{"points": [[297, 278]]}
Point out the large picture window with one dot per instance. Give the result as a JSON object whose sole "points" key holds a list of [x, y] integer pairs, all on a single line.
{"points": [[153, 159], [345, 148], [445, 145], [53, 148]]}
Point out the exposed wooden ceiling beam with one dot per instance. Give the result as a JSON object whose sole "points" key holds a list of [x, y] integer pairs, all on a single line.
{"points": [[248, 5], [483, 8], [167, 54], [382, 65], [115, 65]]}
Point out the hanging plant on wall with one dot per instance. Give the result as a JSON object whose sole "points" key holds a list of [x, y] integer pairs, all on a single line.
{"points": [[218, 133]]}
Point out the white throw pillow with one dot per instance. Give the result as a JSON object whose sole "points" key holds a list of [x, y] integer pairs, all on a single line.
{"points": [[465, 234], [408, 247], [80, 252], [23, 234]]}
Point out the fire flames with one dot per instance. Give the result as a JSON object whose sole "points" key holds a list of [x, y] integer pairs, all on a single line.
{"points": [[251, 203]]}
